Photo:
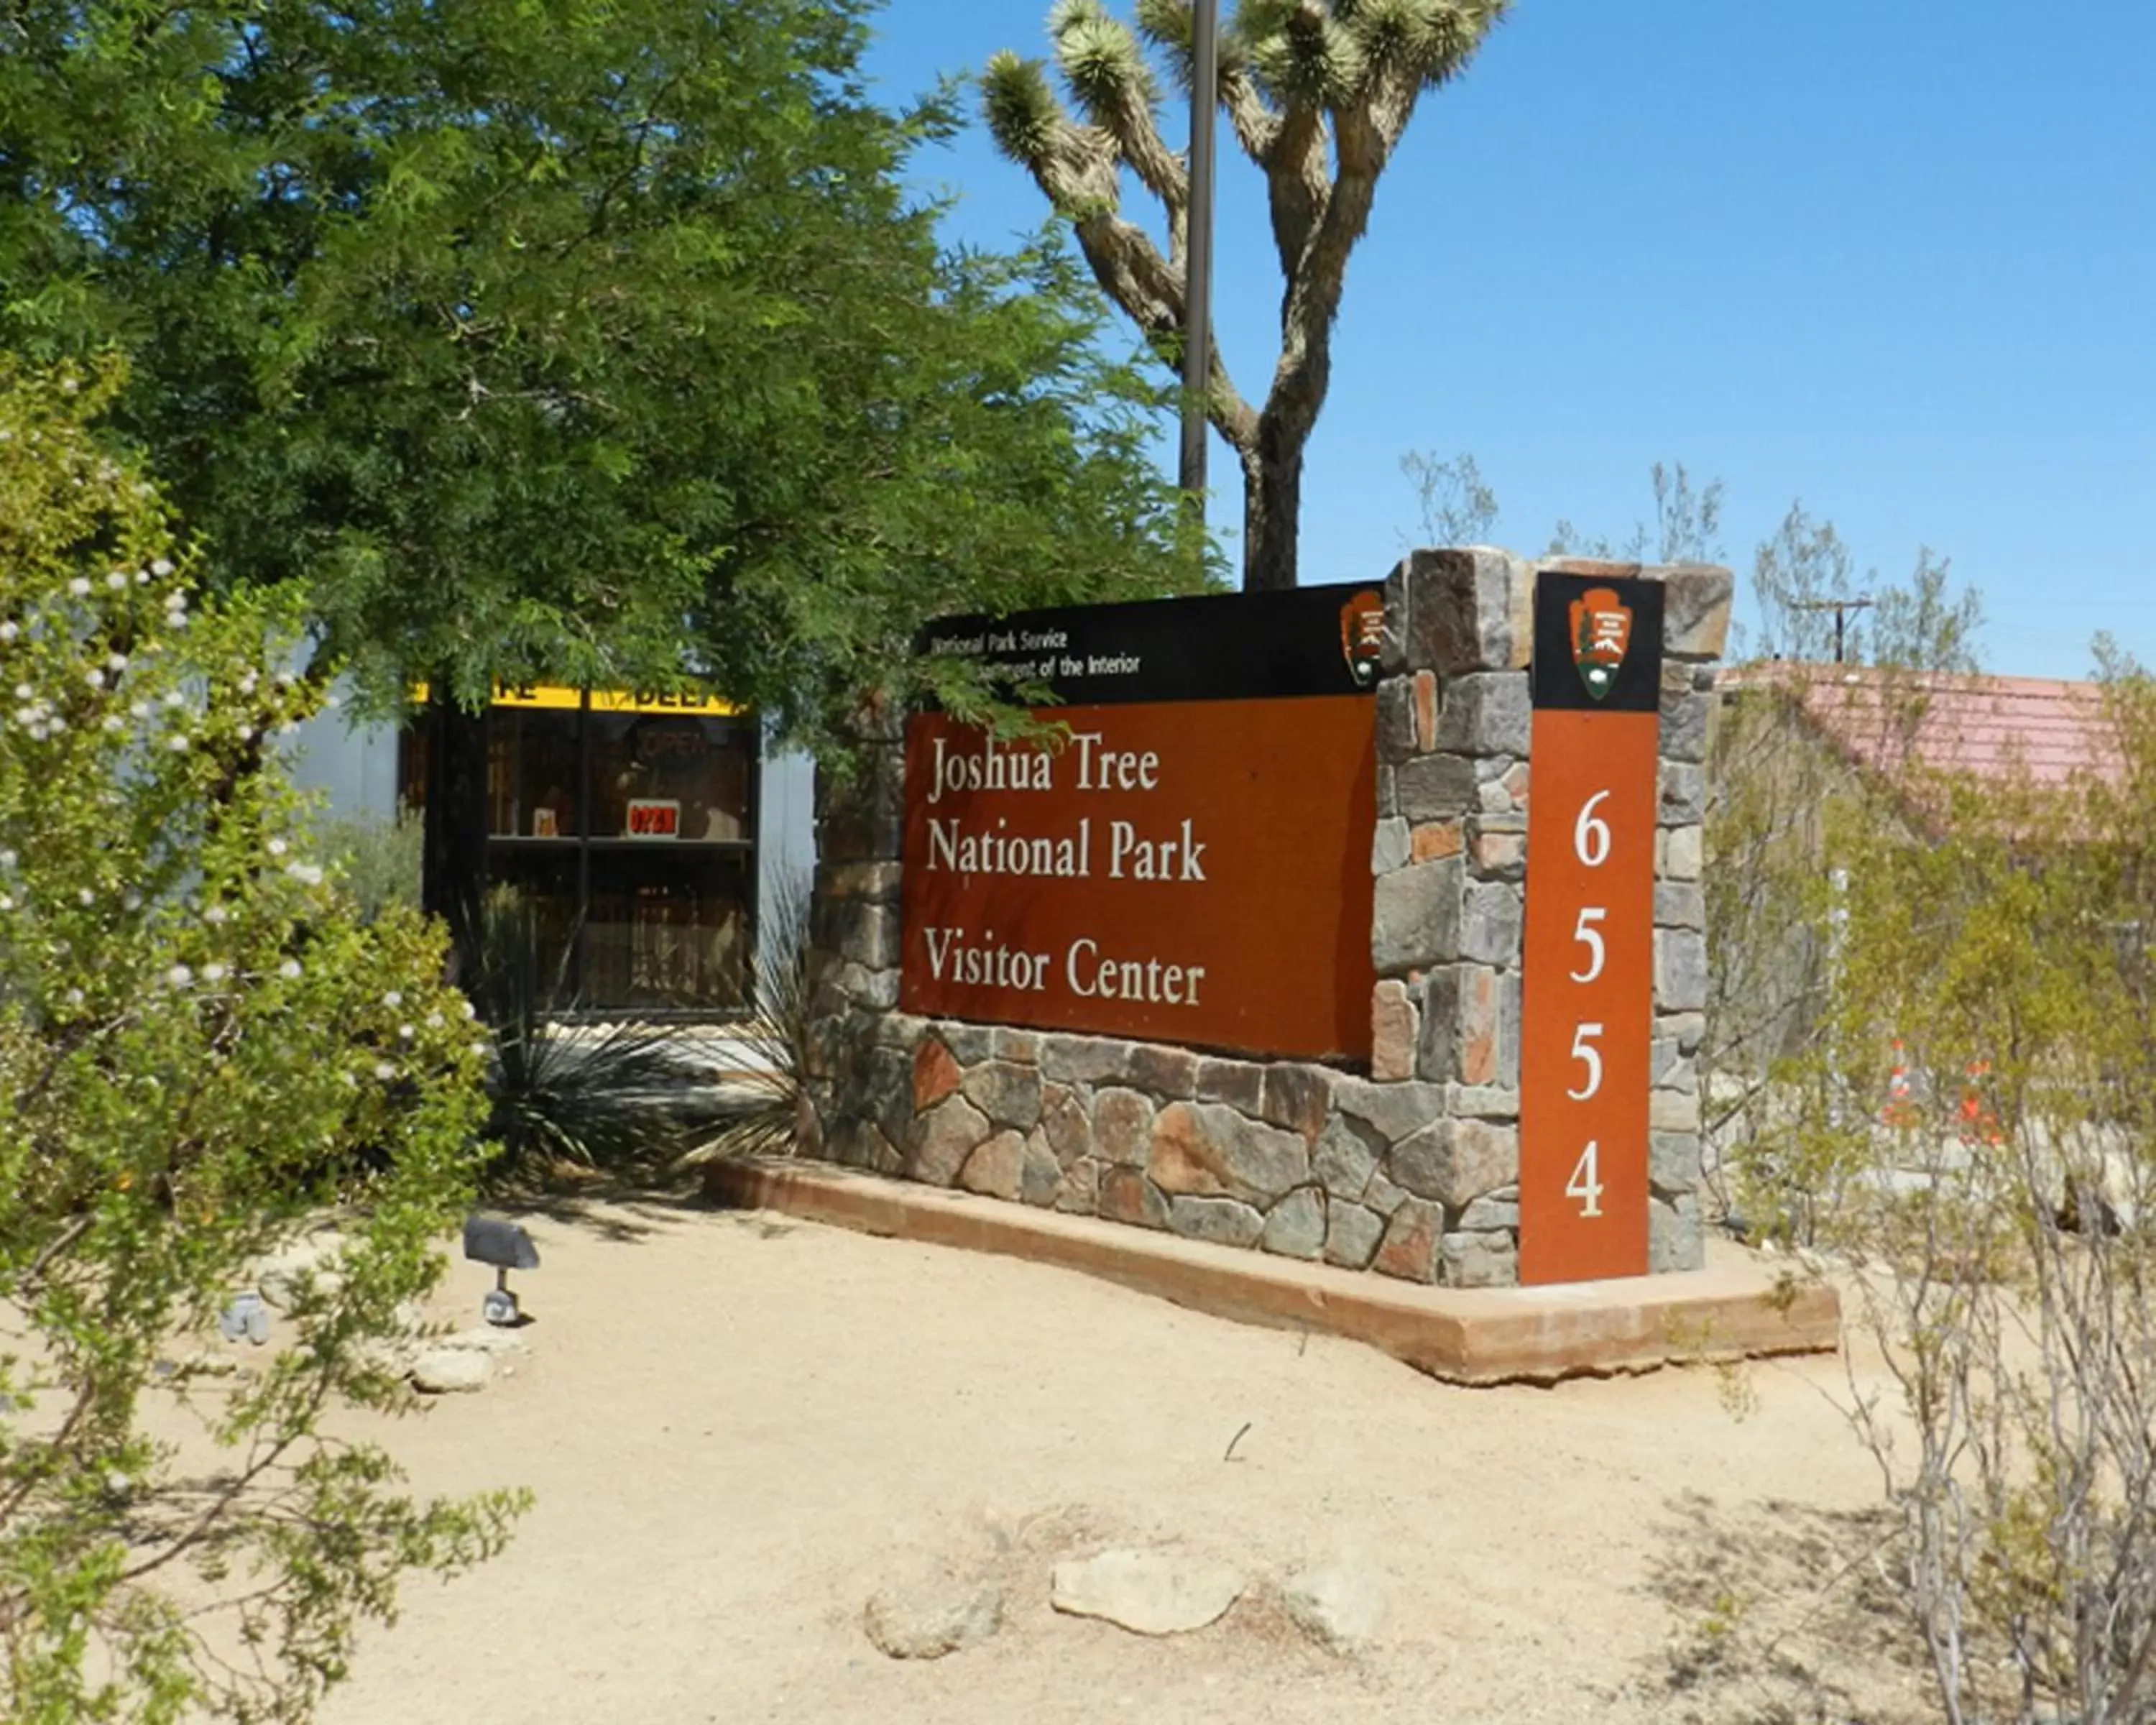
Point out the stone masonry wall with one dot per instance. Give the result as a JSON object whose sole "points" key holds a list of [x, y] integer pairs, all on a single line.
{"points": [[1411, 1169]]}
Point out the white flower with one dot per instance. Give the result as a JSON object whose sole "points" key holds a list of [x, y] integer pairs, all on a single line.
{"points": [[212, 973], [55, 725], [94, 677], [403, 1033], [113, 722], [480, 1050], [80, 587], [277, 847], [246, 683], [23, 691], [289, 970], [140, 709], [141, 577], [177, 742], [117, 580], [8, 632], [117, 661], [179, 975], [73, 997], [384, 1071], [131, 899], [215, 913], [160, 567], [246, 733], [6, 902], [176, 600], [284, 679], [350, 1081], [176, 700], [470, 1011], [83, 896], [306, 874], [392, 999], [433, 1021]]}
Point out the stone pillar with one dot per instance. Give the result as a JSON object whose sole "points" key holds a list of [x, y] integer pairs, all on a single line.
{"points": [[1451, 860], [1449, 855], [853, 945]]}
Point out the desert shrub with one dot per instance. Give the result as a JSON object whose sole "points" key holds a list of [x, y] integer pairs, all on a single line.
{"points": [[2003, 1218], [758, 1111], [203, 1046], [376, 858], [562, 1094]]}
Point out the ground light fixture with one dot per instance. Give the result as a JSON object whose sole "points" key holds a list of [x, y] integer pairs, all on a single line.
{"points": [[490, 1239]]}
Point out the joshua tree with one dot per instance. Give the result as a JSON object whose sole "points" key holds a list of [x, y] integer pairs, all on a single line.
{"points": [[1318, 93]]}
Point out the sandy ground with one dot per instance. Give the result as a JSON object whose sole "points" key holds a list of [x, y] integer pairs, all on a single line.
{"points": [[738, 1427]]}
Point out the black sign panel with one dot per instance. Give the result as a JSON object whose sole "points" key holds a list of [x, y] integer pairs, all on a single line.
{"points": [[1598, 643], [1313, 640]]}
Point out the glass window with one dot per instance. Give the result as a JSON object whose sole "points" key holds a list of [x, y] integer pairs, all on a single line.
{"points": [[632, 834], [667, 928], [546, 878], [531, 773], [662, 776]]}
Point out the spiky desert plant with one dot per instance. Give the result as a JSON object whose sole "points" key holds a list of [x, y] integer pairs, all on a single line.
{"points": [[606, 1095], [1317, 93]]}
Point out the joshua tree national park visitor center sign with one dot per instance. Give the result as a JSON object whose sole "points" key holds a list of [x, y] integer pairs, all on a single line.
{"points": [[1361, 924], [1190, 860]]}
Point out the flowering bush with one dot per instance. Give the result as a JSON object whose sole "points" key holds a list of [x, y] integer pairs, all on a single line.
{"points": [[201, 1044]]}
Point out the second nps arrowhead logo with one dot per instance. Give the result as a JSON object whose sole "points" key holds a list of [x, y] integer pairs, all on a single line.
{"points": [[1601, 631]]}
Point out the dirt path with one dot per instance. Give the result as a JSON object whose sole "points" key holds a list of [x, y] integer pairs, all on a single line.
{"points": [[737, 1427]]}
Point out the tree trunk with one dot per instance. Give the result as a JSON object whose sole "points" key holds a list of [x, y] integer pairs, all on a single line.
{"points": [[455, 834], [1272, 508]]}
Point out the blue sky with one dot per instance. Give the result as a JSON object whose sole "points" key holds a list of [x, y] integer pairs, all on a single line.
{"points": [[1895, 260]]}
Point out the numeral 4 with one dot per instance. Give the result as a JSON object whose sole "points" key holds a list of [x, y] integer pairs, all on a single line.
{"points": [[1585, 1183]]}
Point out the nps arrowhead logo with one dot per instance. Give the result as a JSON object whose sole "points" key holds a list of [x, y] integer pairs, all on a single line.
{"points": [[1363, 636], [1601, 631]]}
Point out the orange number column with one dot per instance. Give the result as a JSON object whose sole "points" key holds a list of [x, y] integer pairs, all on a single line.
{"points": [[1587, 982]]}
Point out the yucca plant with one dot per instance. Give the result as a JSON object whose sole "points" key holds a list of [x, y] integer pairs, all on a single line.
{"points": [[756, 1111], [598, 1097]]}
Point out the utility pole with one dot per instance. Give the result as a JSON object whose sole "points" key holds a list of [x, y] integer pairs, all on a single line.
{"points": [[1841, 608], [1198, 249]]}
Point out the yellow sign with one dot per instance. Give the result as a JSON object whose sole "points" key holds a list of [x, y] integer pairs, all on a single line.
{"points": [[553, 696]]}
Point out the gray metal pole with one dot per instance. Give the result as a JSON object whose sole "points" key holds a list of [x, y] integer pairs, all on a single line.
{"points": [[1198, 256]]}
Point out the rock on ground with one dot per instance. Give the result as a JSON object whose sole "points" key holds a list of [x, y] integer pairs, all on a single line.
{"points": [[444, 1371], [1338, 1605], [927, 1616], [1152, 1593]]}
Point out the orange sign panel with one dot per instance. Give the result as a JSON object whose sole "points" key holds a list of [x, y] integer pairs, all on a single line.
{"points": [[1587, 969], [1194, 871]]}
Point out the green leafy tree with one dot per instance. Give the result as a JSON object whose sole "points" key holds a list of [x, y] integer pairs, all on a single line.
{"points": [[1317, 94], [202, 1047], [597, 344]]}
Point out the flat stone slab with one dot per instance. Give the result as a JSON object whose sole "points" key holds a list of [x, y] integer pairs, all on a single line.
{"points": [[1149, 1593], [1734, 1309]]}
